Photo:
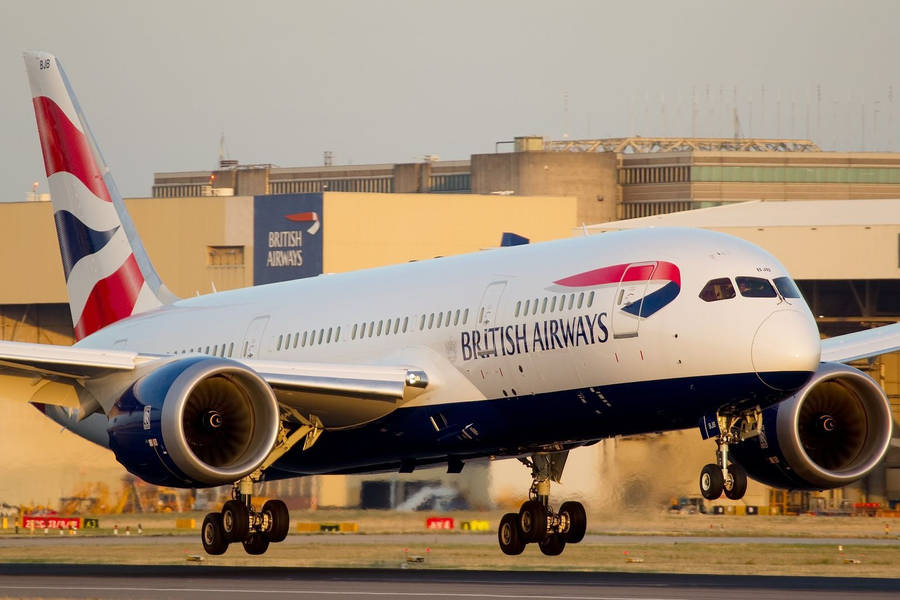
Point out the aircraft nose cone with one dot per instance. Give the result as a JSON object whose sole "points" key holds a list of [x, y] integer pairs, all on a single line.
{"points": [[786, 349]]}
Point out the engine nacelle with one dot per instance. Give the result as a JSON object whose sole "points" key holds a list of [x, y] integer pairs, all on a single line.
{"points": [[829, 434], [195, 422]]}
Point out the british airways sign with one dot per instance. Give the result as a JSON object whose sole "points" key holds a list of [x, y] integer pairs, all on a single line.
{"points": [[287, 237]]}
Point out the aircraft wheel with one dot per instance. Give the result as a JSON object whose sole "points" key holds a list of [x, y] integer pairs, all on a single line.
{"points": [[553, 544], [279, 520], [213, 535], [533, 521], [256, 543], [509, 536], [235, 521], [712, 482], [736, 484], [577, 521]]}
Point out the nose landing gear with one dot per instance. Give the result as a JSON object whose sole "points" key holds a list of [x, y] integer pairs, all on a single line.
{"points": [[725, 476], [536, 521]]}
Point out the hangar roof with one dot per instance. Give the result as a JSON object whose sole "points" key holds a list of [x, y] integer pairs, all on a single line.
{"points": [[767, 213]]}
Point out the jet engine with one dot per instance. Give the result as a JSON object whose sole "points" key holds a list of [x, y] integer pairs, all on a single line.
{"points": [[195, 422], [829, 434]]}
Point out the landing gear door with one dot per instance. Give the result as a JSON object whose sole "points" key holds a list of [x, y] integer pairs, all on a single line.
{"points": [[626, 314], [490, 303], [253, 338]]}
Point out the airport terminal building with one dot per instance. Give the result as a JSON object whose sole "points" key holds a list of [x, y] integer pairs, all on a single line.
{"points": [[831, 218]]}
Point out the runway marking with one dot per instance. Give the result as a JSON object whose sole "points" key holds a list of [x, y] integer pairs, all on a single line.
{"points": [[319, 592]]}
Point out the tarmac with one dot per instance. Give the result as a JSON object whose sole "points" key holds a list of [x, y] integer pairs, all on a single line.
{"points": [[138, 582]]}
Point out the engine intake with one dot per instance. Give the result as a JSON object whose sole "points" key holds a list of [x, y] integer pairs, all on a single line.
{"points": [[195, 422], [829, 434]]}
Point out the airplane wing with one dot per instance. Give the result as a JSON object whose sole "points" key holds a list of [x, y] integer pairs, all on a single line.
{"points": [[341, 395], [862, 344]]}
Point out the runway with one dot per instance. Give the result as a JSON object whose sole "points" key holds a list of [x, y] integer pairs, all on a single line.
{"points": [[489, 539], [207, 583]]}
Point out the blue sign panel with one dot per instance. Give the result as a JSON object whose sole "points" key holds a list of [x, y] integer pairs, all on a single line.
{"points": [[287, 237]]}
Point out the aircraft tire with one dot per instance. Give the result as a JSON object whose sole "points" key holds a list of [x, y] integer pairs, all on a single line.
{"points": [[737, 486], [509, 536], [256, 543], [532, 521], [235, 521], [577, 521], [712, 482], [279, 519], [213, 535], [553, 544]]}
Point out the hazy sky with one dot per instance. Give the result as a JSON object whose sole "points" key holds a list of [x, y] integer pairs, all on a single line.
{"points": [[392, 81]]}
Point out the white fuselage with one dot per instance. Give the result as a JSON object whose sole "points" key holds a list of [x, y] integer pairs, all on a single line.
{"points": [[463, 319]]}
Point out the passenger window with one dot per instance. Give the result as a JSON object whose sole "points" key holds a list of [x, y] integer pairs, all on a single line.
{"points": [[580, 299], [527, 305], [571, 301], [553, 304], [296, 338], [337, 334], [303, 341], [466, 316], [430, 320], [230, 349], [216, 347], [534, 307], [518, 306], [387, 327], [440, 318], [421, 322], [396, 325], [353, 333], [380, 327], [755, 287], [456, 318], [321, 335], [590, 299], [371, 328], [717, 289], [328, 341], [787, 288], [544, 306], [405, 323]]}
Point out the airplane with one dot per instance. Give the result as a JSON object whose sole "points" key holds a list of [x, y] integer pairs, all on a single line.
{"points": [[526, 351]]}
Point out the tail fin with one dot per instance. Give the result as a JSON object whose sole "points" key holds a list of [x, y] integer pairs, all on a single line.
{"points": [[108, 274]]}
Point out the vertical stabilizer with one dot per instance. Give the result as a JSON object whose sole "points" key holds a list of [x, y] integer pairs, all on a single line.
{"points": [[108, 274]]}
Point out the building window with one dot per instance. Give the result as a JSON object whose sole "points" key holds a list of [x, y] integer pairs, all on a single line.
{"points": [[225, 256]]}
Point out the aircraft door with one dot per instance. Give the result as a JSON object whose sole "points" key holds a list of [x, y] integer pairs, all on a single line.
{"points": [[626, 313], [253, 337], [490, 302]]}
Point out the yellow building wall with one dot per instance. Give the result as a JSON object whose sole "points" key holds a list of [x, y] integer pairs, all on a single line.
{"points": [[178, 231], [30, 266], [369, 230]]}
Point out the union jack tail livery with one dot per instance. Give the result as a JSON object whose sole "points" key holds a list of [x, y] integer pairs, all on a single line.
{"points": [[108, 274]]}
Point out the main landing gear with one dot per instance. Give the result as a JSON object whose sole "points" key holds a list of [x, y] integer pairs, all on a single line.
{"points": [[240, 522], [536, 522], [724, 476]]}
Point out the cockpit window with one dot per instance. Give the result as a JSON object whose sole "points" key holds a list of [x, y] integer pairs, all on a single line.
{"points": [[717, 289], [755, 287], [787, 288]]}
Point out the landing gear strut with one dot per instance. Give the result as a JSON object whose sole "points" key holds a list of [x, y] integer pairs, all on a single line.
{"points": [[536, 521], [725, 476], [239, 522]]}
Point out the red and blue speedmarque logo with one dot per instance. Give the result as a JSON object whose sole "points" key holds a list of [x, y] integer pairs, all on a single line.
{"points": [[660, 278]]}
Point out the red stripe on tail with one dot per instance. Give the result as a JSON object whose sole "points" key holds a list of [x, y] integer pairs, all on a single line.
{"points": [[112, 299], [66, 148]]}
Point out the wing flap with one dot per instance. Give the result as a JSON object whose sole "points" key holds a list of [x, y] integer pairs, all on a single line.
{"points": [[862, 344]]}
